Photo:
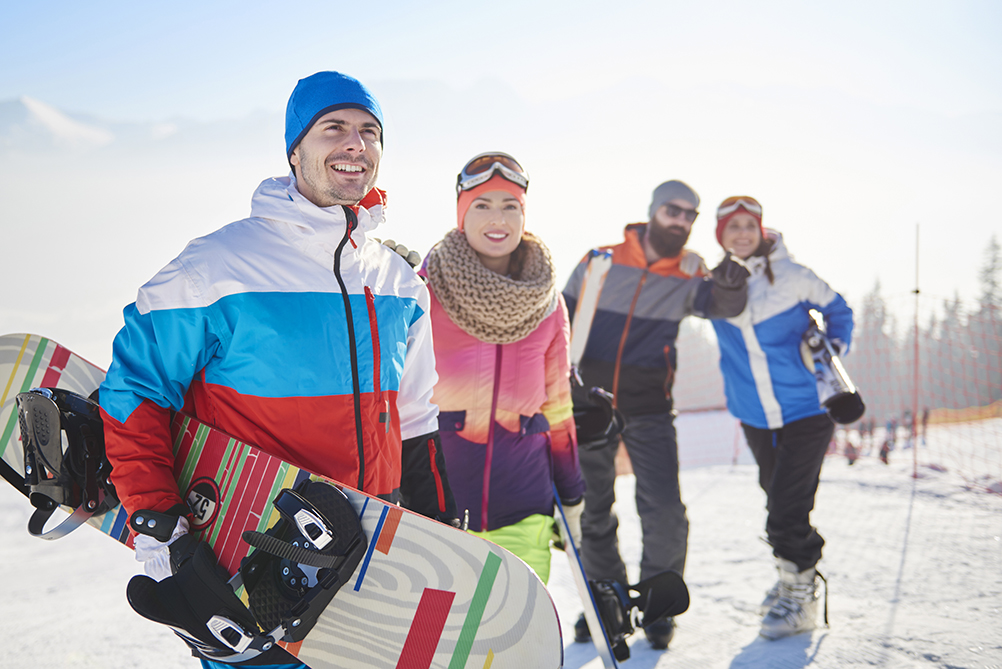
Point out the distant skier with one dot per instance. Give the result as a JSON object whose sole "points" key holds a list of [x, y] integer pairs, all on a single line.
{"points": [[774, 395]]}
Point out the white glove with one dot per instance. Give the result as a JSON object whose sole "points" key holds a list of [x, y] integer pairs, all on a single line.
{"points": [[413, 258], [691, 262], [155, 555], [572, 514]]}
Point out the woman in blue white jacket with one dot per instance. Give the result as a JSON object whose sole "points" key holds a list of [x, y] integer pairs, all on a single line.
{"points": [[772, 392]]}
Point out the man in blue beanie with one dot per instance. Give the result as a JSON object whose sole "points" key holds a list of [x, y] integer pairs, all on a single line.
{"points": [[333, 138], [269, 328]]}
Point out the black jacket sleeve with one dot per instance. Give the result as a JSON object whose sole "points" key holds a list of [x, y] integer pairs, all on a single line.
{"points": [[424, 483]]}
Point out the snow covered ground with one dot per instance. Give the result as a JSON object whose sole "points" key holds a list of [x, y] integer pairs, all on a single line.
{"points": [[914, 568]]}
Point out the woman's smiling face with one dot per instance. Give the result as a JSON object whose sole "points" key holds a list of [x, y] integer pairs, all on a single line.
{"points": [[741, 235], [493, 225]]}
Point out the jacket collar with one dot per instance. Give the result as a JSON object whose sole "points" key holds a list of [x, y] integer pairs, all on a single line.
{"points": [[631, 253], [317, 231]]}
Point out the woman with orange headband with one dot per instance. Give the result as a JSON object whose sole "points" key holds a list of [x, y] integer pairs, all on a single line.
{"points": [[774, 394], [501, 350]]}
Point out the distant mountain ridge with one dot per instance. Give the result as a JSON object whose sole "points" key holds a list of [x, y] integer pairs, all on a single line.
{"points": [[30, 125], [27, 122]]}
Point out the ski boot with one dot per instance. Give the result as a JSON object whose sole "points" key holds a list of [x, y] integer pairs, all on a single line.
{"points": [[796, 606], [770, 599], [660, 632]]}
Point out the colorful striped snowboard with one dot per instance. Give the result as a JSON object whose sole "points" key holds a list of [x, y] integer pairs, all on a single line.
{"points": [[425, 595]]}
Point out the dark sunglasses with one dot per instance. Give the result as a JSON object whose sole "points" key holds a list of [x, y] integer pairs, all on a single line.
{"points": [[675, 211]]}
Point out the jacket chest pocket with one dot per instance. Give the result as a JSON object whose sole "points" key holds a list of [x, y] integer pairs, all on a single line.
{"points": [[451, 421]]}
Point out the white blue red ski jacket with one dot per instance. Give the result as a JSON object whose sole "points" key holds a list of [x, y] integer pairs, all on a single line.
{"points": [[289, 330], [765, 379]]}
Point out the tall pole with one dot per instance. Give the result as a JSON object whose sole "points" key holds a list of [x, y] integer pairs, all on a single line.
{"points": [[915, 378]]}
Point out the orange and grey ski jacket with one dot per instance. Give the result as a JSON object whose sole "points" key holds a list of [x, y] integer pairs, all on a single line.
{"points": [[631, 346]]}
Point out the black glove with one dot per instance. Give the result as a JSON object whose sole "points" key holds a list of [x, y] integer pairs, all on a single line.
{"points": [[731, 273], [424, 483]]}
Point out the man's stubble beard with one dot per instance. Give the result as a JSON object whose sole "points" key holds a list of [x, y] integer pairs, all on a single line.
{"points": [[333, 192], [667, 241]]}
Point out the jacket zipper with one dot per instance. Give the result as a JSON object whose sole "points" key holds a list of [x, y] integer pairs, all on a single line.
{"points": [[437, 475], [490, 440], [670, 376], [622, 340], [351, 223], [384, 404]]}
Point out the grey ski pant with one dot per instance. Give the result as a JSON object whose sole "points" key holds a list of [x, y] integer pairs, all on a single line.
{"points": [[650, 442], [789, 469]]}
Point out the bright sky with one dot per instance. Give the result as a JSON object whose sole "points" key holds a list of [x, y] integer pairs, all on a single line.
{"points": [[851, 122], [210, 60]]}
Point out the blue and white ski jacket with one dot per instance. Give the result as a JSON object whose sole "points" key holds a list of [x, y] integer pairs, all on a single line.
{"points": [[765, 379]]}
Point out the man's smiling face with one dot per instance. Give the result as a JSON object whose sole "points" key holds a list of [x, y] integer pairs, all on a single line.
{"points": [[337, 161]]}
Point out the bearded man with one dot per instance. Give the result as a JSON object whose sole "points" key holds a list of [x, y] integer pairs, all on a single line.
{"points": [[653, 283]]}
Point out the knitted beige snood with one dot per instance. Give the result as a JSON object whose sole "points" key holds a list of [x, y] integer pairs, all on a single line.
{"points": [[489, 306]]}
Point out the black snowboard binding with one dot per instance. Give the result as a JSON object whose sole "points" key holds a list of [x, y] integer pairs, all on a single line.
{"points": [[302, 561], [64, 459], [299, 565], [622, 611]]}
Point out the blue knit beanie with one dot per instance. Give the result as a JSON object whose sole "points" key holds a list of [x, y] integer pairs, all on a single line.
{"points": [[321, 94]]}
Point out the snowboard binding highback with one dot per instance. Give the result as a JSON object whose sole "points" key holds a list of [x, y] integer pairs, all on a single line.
{"points": [[298, 566], [625, 608], [64, 459]]}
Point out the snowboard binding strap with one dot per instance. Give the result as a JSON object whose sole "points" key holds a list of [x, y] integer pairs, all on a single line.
{"points": [[304, 559], [657, 597], [77, 475], [289, 578], [199, 606]]}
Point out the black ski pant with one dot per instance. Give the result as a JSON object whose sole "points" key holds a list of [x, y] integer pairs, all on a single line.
{"points": [[650, 442], [789, 468]]}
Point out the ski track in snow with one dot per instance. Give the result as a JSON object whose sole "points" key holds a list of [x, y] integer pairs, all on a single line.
{"points": [[914, 569]]}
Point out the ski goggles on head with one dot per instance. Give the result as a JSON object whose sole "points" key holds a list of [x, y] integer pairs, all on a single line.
{"points": [[732, 204], [481, 168]]}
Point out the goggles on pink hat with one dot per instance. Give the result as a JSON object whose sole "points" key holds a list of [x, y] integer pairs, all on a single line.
{"points": [[732, 204], [481, 168]]}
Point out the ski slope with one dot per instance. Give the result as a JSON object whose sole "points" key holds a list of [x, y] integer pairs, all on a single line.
{"points": [[914, 568]]}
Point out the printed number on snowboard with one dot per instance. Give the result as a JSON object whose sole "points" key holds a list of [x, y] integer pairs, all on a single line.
{"points": [[203, 500]]}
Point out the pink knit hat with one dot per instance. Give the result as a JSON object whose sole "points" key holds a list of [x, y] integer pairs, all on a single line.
{"points": [[497, 182]]}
